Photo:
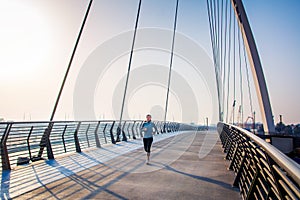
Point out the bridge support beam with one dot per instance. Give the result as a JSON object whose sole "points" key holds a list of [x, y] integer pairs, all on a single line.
{"points": [[256, 67]]}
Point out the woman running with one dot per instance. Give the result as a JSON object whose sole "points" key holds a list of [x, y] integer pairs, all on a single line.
{"points": [[148, 129]]}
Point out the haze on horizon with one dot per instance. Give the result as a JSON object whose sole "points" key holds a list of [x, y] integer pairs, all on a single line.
{"points": [[37, 38]]}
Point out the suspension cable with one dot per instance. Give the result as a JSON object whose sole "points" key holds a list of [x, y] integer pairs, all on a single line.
{"points": [[229, 52], [71, 60], [234, 71], [171, 62], [219, 61], [214, 41], [130, 60], [219, 40], [209, 12], [241, 80], [248, 80], [215, 22], [224, 60], [221, 53]]}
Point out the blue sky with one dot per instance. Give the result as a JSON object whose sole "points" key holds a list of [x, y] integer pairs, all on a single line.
{"points": [[276, 29], [37, 37]]}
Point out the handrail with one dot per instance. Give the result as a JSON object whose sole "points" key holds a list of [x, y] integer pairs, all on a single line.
{"points": [[61, 121], [286, 163], [262, 171]]}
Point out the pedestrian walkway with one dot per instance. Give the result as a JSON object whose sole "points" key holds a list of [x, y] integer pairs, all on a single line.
{"points": [[187, 165]]}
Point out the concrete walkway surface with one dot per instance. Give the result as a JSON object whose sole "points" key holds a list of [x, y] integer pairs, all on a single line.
{"points": [[185, 165]]}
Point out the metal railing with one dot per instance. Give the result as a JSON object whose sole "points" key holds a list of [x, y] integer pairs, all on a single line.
{"points": [[262, 171], [22, 142]]}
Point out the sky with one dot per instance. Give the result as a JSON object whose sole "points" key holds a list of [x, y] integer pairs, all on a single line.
{"points": [[37, 38]]}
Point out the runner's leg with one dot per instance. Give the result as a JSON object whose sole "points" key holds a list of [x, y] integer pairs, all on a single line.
{"points": [[149, 148], [145, 144]]}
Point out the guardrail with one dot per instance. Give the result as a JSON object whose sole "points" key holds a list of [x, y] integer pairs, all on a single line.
{"points": [[262, 171], [22, 142]]}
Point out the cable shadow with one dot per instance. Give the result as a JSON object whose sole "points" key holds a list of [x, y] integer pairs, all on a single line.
{"points": [[206, 179]]}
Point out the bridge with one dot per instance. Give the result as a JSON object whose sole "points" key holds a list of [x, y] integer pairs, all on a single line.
{"points": [[104, 159]]}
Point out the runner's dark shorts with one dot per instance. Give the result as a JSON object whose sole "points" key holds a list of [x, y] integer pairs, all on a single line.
{"points": [[147, 144]]}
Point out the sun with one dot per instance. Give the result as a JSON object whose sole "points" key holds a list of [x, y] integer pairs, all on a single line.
{"points": [[25, 40]]}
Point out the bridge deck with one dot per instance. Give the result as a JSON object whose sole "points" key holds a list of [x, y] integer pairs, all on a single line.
{"points": [[180, 168]]}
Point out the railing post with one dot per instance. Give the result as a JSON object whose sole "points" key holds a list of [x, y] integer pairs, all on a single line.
{"points": [[77, 144], [96, 135], [4, 152], [104, 135], [158, 127], [233, 157], [128, 130], [124, 138], [132, 128], [250, 192], [118, 134], [86, 134], [166, 127], [112, 133], [275, 178], [50, 154], [45, 142], [240, 170], [28, 143], [63, 138], [140, 127]]}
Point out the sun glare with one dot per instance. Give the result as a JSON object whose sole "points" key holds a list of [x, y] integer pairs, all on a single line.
{"points": [[24, 39]]}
